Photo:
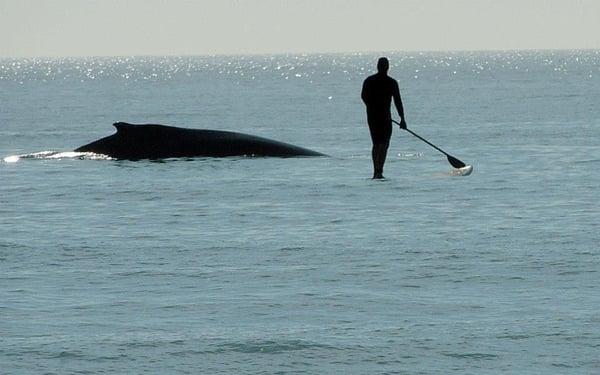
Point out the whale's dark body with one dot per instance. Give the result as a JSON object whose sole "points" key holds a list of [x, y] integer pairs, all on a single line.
{"points": [[136, 142]]}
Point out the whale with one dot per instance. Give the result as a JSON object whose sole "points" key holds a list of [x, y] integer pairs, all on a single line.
{"points": [[154, 141]]}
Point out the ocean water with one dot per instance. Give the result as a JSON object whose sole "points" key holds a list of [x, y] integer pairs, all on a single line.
{"points": [[303, 265]]}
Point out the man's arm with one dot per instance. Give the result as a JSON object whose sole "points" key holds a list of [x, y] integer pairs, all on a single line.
{"points": [[364, 93], [398, 104]]}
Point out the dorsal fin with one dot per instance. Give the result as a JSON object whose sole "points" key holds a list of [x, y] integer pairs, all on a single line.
{"points": [[121, 126]]}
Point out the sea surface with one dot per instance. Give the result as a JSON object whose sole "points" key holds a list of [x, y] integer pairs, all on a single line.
{"points": [[249, 265]]}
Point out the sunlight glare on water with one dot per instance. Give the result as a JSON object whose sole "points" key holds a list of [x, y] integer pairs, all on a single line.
{"points": [[302, 265]]}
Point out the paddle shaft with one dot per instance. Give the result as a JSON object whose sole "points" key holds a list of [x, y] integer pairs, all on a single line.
{"points": [[451, 159], [424, 140]]}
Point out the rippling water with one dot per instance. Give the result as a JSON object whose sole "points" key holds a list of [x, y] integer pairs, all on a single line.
{"points": [[267, 265]]}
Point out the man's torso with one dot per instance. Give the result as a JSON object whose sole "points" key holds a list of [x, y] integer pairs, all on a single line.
{"points": [[378, 92]]}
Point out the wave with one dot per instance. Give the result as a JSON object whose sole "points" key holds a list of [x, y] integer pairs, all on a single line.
{"points": [[268, 346]]}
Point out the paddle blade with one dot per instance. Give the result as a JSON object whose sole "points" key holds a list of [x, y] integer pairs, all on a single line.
{"points": [[455, 162]]}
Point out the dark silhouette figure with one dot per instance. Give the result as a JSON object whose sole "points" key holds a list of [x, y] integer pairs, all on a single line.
{"points": [[377, 93], [135, 142]]}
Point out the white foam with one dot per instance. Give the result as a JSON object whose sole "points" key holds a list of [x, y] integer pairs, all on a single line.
{"points": [[57, 155], [11, 159]]}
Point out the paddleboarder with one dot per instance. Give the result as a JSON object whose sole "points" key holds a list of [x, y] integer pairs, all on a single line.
{"points": [[377, 93]]}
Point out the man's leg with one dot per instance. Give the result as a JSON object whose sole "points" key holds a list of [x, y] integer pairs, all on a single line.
{"points": [[374, 156], [379, 153]]}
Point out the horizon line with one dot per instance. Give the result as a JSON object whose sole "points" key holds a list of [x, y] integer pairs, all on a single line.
{"points": [[369, 52]]}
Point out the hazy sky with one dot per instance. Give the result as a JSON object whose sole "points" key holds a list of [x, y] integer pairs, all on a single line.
{"points": [[173, 27]]}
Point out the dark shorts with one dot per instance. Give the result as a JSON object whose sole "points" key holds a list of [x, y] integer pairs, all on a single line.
{"points": [[381, 130]]}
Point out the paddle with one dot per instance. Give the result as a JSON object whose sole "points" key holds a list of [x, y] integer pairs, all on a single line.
{"points": [[451, 159]]}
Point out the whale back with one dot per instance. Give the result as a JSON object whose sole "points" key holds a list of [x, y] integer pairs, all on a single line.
{"points": [[154, 141]]}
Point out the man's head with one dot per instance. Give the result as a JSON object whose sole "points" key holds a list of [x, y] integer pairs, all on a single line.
{"points": [[383, 64]]}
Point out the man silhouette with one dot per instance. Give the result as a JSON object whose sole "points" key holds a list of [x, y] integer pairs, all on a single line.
{"points": [[377, 93]]}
